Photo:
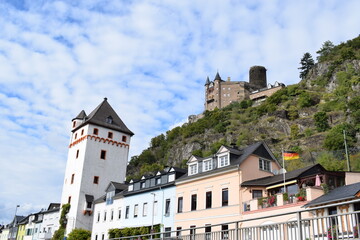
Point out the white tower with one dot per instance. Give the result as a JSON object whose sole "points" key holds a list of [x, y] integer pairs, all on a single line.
{"points": [[98, 154]]}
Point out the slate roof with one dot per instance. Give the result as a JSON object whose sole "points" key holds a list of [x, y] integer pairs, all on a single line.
{"points": [[271, 180], [81, 115], [99, 115], [207, 81], [343, 193], [217, 77]]}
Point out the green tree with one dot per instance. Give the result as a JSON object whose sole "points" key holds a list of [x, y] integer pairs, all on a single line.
{"points": [[330, 162], [334, 140], [306, 62], [321, 121], [325, 51], [294, 131], [59, 234], [293, 113], [79, 234]]}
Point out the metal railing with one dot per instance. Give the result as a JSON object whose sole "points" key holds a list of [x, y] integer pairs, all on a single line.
{"points": [[332, 227]]}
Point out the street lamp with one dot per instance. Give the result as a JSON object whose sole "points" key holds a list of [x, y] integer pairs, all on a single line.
{"points": [[17, 206], [152, 217]]}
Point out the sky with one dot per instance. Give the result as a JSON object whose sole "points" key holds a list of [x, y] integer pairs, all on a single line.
{"points": [[149, 58]]}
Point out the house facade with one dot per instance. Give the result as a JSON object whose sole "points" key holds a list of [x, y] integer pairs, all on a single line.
{"points": [[210, 193], [147, 202]]}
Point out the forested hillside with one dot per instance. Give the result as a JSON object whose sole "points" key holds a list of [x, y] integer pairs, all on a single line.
{"points": [[308, 117]]}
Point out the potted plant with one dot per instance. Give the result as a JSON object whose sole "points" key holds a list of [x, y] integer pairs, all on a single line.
{"points": [[285, 197], [301, 196], [271, 201]]}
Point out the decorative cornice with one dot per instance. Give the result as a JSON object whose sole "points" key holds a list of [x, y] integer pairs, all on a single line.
{"points": [[97, 138]]}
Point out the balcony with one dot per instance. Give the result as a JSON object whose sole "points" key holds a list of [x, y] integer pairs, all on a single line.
{"points": [[45, 235]]}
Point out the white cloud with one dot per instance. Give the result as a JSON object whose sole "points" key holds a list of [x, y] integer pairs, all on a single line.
{"points": [[149, 58]]}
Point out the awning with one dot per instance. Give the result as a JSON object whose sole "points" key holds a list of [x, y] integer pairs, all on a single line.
{"points": [[281, 184], [89, 198]]}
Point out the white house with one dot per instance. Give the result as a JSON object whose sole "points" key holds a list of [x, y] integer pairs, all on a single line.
{"points": [[48, 223], [146, 202], [98, 154]]}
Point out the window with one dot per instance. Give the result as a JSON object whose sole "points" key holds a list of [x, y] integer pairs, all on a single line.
{"points": [[74, 124], [96, 131], [178, 231], [96, 237], [77, 153], [136, 210], [223, 161], [193, 168], [112, 215], [167, 207], [110, 135], [119, 213], [192, 232], [193, 202], [158, 181], [208, 199], [98, 217], [82, 132], [75, 135], [207, 231], [104, 215], [171, 177], [103, 154], [155, 208], [96, 180], [124, 138], [110, 197], [88, 205], [180, 204], [69, 199], [225, 197], [224, 232], [142, 185], [264, 165], [167, 232], [72, 178], [207, 165], [103, 237], [256, 194], [109, 119], [145, 209], [127, 212]]}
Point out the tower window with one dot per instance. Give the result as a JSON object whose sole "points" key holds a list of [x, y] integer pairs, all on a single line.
{"points": [[124, 138], [75, 135], [69, 199], [110, 135], [96, 180], [96, 131], [77, 153], [72, 178], [82, 132], [109, 119], [103, 154], [74, 124]]}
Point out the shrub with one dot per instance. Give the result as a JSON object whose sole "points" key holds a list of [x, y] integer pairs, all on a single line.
{"points": [[321, 121], [79, 234]]}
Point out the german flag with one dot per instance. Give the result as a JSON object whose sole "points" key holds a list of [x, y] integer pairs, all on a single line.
{"points": [[289, 155]]}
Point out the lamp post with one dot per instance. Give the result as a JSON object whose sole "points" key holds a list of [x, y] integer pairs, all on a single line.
{"points": [[13, 229], [152, 217]]}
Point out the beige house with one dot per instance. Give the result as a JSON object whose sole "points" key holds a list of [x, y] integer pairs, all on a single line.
{"points": [[211, 191]]}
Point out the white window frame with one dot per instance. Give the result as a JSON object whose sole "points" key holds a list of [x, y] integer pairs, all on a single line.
{"points": [[171, 177], [222, 163], [262, 162], [193, 168], [207, 165], [145, 209]]}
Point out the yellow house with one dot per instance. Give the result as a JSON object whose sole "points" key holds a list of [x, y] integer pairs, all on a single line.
{"points": [[21, 228], [211, 191]]}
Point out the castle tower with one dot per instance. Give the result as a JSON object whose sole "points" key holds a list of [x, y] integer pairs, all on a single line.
{"points": [[257, 77], [98, 154]]}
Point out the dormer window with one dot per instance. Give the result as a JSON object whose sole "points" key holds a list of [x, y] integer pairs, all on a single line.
{"points": [[171, 177], [193, 168], [109, 119], [131, 187], [110, 197], [223, 160], [158, 181], [142, 185], [207, 165]]}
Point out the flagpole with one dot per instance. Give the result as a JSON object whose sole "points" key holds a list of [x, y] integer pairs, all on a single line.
{"points": [[282, 154]]}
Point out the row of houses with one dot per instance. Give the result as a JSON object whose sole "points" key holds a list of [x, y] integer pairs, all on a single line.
{"points": [[231, 186]]}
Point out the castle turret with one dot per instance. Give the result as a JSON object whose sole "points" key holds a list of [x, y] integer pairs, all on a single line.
{"points": [[257, 77], [207, 83], [98, 154]]}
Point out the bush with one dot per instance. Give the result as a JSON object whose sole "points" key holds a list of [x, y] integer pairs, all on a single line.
{"points": [[59, 234], [321, 121], [79, 234], [334, 140]]}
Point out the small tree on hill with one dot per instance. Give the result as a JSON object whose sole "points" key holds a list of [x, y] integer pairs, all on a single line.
{"points": [[321, 121], [307, 62], [325, 50]]}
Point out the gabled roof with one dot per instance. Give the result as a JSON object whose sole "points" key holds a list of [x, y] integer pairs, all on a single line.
{"points": [[81, 115], [53, 206], [343, 193], [99, 117], [268, 181], [115, 186]]}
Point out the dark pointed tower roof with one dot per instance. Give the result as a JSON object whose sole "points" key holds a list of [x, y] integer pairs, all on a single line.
{"points": [[217, 77], [105, 116], [81, 115], [207, 81]]}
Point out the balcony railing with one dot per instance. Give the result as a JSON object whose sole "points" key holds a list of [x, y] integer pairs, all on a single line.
{"points": [[333, 227]]}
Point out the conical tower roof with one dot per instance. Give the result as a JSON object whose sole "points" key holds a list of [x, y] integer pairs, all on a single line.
{"points": [[105, 116], [217, 77], [207, 81], [81, 115]]}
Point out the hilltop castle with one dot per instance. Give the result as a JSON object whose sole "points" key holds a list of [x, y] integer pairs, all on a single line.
{"points": [[220, 93]]}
